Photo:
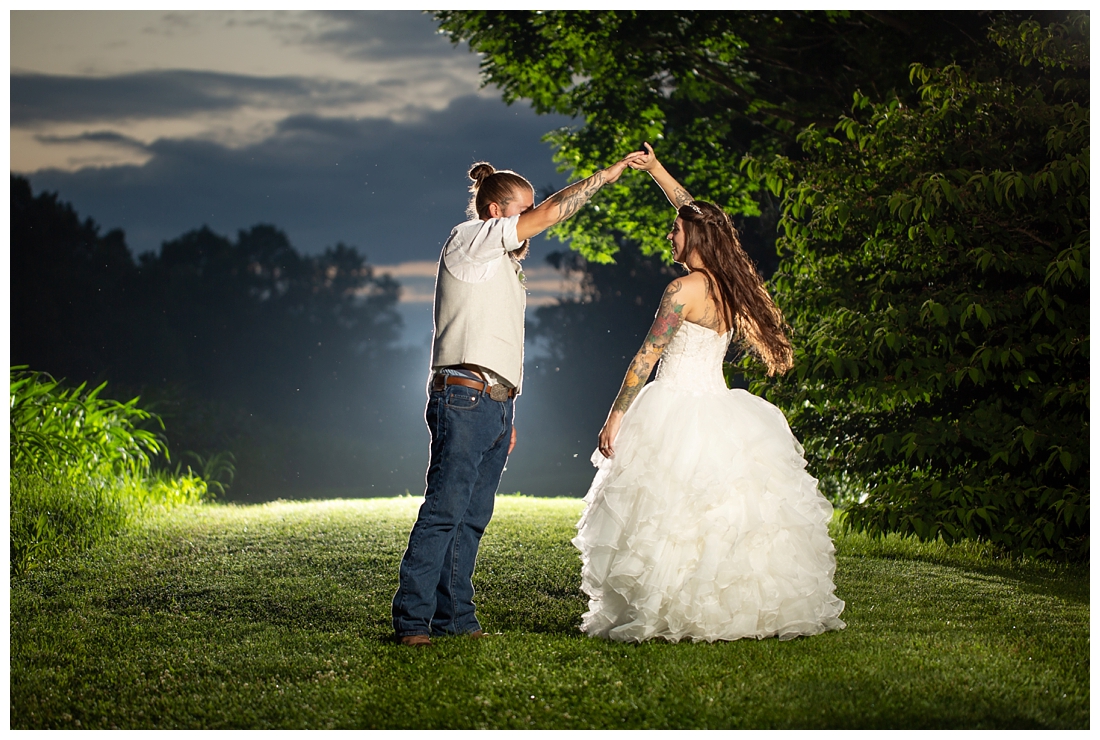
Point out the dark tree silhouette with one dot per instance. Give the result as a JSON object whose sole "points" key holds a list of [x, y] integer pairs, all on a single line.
{"points": [[71, 287], [222, 336]]}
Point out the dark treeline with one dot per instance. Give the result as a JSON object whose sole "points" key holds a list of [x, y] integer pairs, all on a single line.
{"points": [[289, 361], [240, 344]]}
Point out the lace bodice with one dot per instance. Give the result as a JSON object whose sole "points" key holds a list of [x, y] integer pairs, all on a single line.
{"points": [[693, 359]]}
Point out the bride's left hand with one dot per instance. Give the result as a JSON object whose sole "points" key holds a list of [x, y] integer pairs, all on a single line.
{"points": [[608, 434], [647, 162]]}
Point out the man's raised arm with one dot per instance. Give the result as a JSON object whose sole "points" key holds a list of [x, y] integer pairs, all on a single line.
{"points": [[567, 201]]}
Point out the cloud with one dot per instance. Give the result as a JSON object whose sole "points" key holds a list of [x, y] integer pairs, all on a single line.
{"points": [[418, 269], [39, 98], [335, 44], [380, 35], [417, 279], [97, 137], [544, 284], [411, 292], [394, 189], [229, 77]]}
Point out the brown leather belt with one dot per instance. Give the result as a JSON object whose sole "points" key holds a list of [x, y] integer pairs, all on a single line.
{"points": [[496, 392]]}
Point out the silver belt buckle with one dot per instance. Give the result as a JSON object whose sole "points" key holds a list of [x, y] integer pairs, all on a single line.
{"points": [[498, 392]]}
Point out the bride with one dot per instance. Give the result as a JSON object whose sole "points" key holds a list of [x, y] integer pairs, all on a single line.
{"points": [[701, 522]]}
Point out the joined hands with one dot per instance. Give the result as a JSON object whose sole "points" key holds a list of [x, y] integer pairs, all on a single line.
{"points": [[647, 160]]}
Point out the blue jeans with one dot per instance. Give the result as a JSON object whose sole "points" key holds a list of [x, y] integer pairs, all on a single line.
{"points": [[470, 438]]}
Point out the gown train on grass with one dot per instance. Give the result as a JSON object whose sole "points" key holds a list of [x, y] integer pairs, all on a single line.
{"points": [[705, 524]]}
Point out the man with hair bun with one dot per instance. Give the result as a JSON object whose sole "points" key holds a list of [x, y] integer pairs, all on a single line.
{"points": [[476, 373]]}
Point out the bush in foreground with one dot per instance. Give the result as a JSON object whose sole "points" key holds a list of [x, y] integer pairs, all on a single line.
{"points": [[81, 468]]}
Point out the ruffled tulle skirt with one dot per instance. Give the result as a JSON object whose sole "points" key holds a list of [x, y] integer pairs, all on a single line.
{"points": [[705, 525]]}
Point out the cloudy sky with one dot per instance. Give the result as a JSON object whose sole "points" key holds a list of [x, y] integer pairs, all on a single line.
{"points": [[353, 127], [350, 126]]}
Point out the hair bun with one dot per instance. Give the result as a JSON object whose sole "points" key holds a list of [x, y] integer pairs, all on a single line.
{"points": [[480, 171]]}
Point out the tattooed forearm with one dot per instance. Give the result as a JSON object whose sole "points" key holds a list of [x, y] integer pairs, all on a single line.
{"points": [[681, 197], [570, 200], [669, 317], [636, 376]]}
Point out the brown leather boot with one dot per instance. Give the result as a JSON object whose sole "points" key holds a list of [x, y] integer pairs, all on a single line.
{"points": [[415, 641]]}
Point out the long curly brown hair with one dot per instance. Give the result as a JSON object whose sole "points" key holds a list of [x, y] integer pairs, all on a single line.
{"points": [[748, 308]]}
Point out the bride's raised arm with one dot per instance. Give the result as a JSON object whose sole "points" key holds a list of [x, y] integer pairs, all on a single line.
{"points": [[674, 191], [670, 316]]}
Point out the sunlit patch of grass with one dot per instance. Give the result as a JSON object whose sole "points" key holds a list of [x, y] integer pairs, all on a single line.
{"points": [[278, 616]]}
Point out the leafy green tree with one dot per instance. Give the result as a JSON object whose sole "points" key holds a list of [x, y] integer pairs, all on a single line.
{"points": [[935, 273], [702, 87], [935, 249]]}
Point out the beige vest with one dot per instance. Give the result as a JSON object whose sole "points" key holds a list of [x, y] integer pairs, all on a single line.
{"points": [[481, 323]]}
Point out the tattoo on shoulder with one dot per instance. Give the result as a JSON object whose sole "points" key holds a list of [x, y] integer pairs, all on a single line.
{"points": [[710, 318], [682, 196]]}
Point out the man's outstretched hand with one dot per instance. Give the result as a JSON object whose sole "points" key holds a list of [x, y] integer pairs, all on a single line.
{"points": [[631, 160]]}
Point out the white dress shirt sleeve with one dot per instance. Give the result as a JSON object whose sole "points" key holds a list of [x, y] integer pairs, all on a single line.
{"points": [[474, 250]]}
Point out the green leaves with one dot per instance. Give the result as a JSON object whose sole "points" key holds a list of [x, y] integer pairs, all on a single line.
{"points": [[936, 279], [704, 88], [80, 468], [934, 240], [74, 432]]}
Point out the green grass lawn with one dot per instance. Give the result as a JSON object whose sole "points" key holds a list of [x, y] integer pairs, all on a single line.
{"points": [[278, 616]]}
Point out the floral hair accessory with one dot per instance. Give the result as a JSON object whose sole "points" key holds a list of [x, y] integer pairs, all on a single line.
{"points": [[695, 208]]}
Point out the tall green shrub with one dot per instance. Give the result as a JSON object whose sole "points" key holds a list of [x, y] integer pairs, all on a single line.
{"points": [[935, 273], [80, 468], [73, 432]]}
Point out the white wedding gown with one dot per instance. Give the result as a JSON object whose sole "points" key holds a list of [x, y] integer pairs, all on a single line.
{"points": [[705, 524]]}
